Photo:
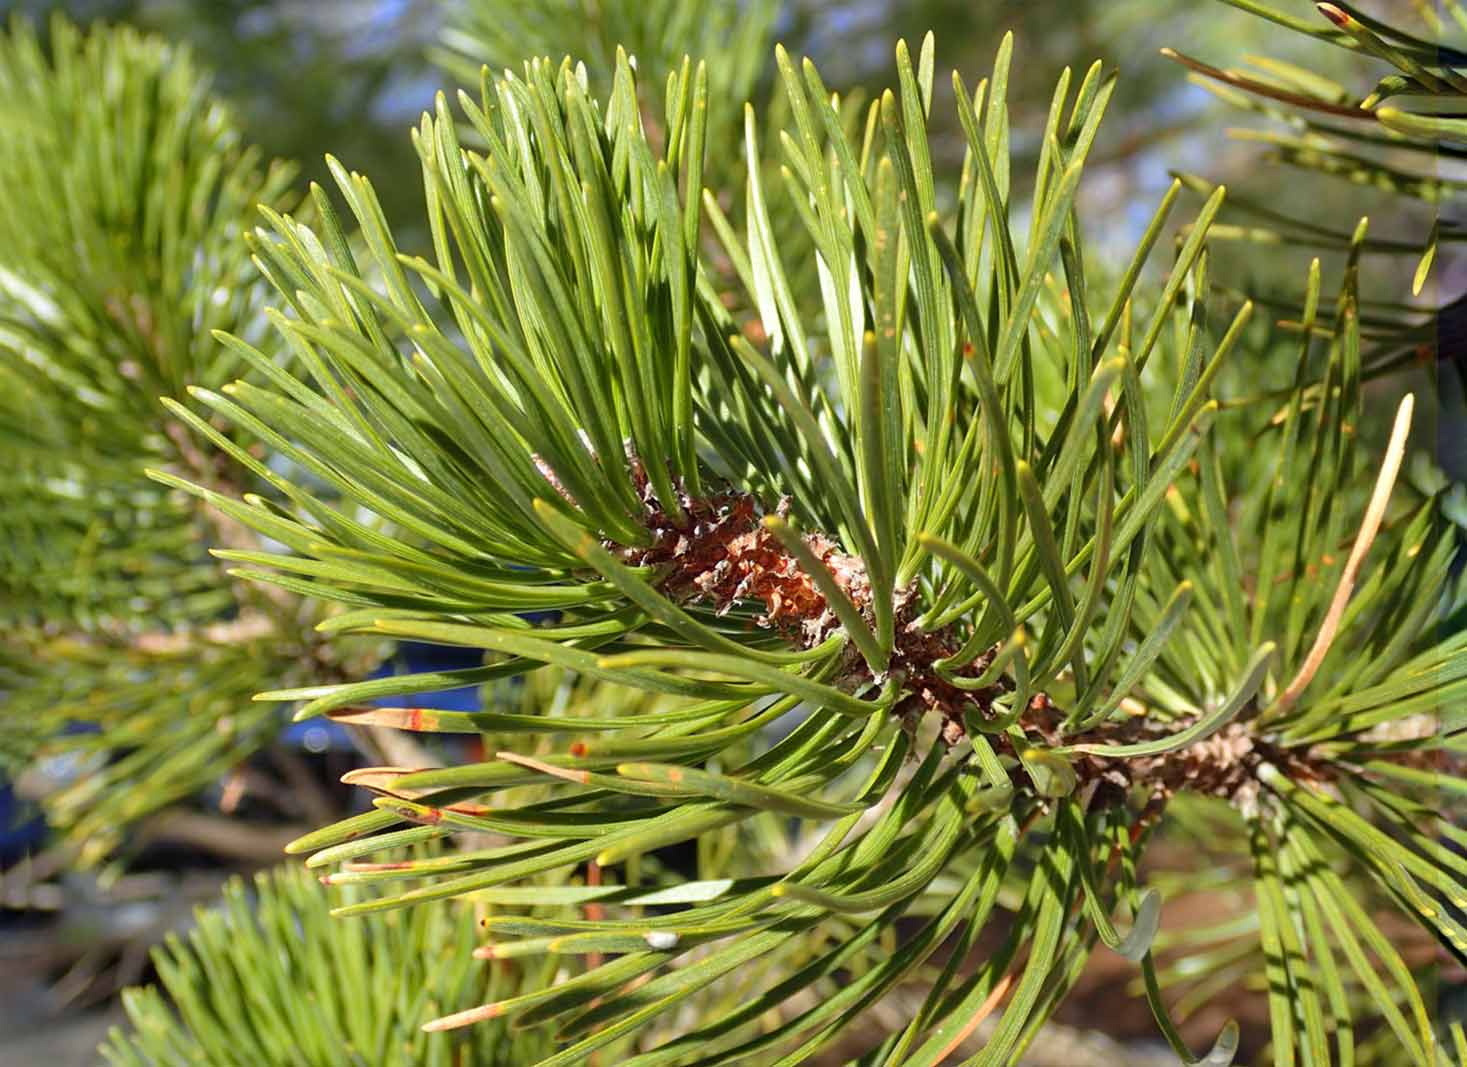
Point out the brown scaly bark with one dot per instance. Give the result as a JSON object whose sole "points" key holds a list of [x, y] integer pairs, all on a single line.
{"points": [[723, 555]]}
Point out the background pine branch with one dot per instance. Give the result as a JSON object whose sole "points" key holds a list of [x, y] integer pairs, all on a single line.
{"points": [[131, 188]]}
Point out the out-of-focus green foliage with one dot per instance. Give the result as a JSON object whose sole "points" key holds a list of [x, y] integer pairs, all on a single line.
{"points": [[130, 189], [304, 78], [735, 37], [267, 978], [1390, 144]]}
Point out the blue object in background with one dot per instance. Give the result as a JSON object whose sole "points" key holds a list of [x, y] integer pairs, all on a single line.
{"points": [[21, 827], [414, 657], [411, 657], [317, 736]]}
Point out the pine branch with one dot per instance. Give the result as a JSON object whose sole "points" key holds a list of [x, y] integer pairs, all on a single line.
{"points": [[266, 976], [933, 512], [903, 571]]}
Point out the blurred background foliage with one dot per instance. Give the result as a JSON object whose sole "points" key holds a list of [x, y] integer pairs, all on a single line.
{"points": [[349, 77]]}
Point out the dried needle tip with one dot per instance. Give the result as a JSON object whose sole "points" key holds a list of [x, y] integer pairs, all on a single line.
{"points": [[462, 1018]]}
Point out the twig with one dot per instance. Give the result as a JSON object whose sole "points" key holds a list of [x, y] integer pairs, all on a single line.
{"points": [[248, 626], [396, 747], [230, 838], [1369, 527], [304, 787]]}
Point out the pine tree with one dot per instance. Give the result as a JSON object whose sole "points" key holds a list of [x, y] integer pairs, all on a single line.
{"points": [[129, 188], [869, 569]]}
